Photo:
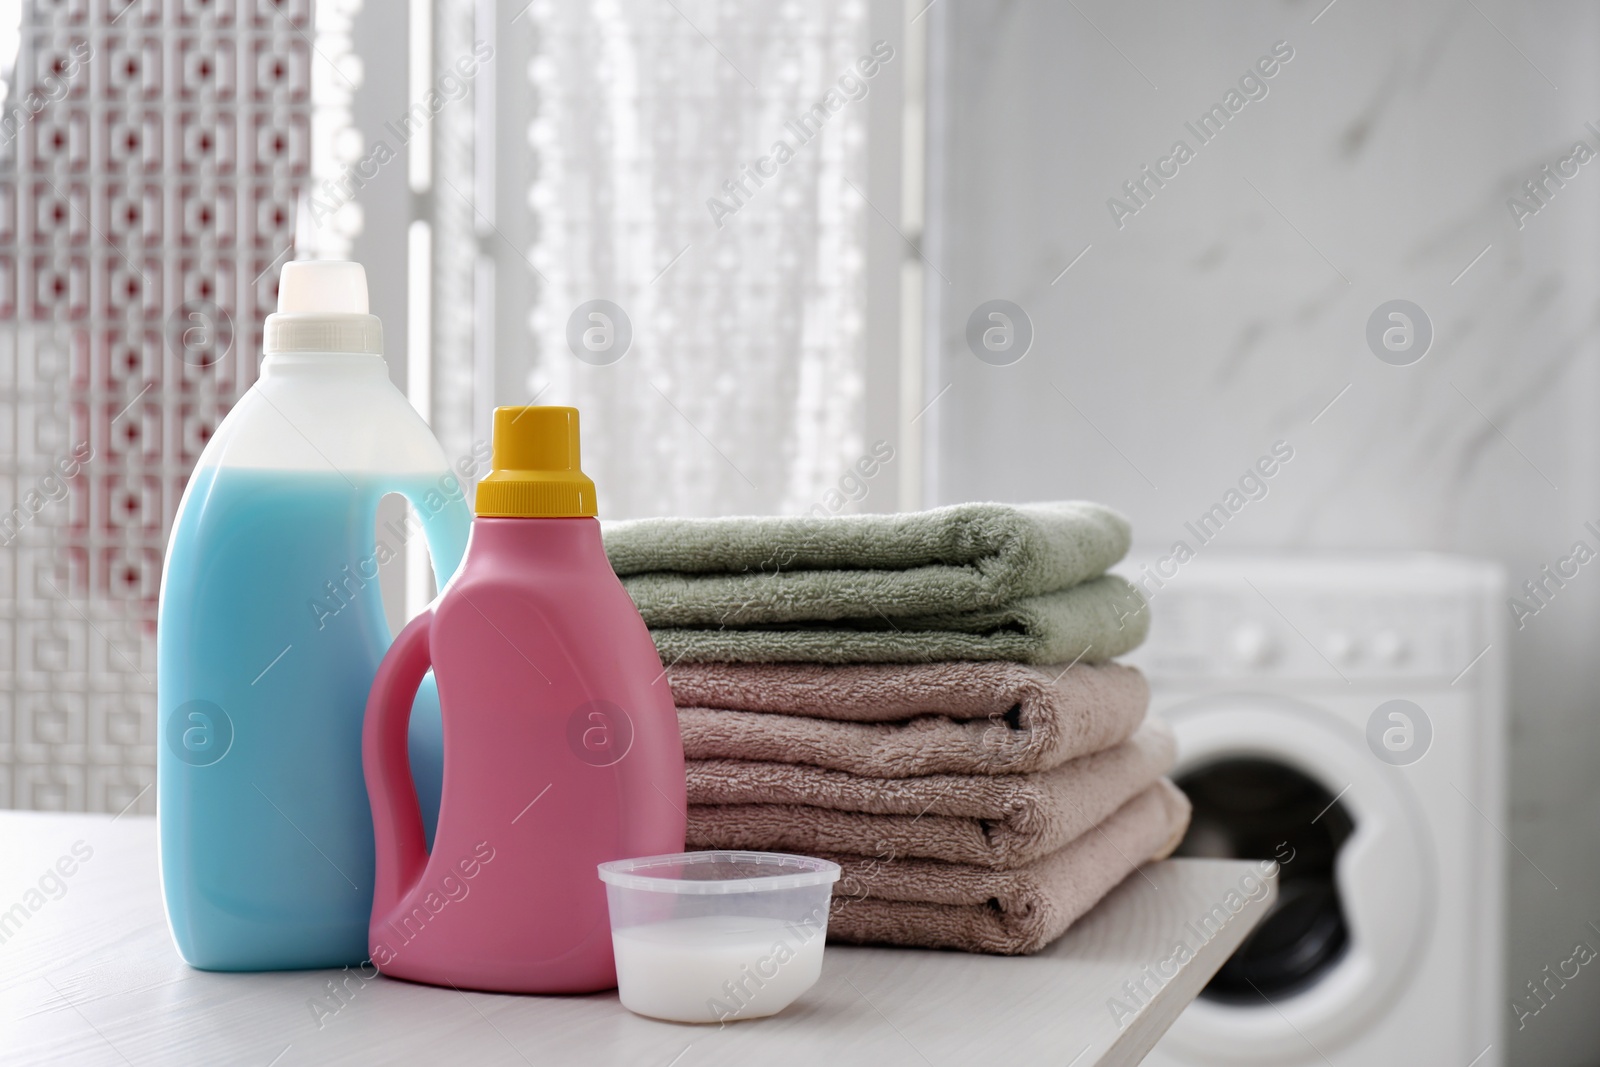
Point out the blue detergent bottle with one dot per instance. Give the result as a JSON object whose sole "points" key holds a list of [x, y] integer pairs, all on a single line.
{"points": [[271, 628]]}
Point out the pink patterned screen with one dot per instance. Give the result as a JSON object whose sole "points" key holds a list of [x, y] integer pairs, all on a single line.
{"points": [[150, 158]]}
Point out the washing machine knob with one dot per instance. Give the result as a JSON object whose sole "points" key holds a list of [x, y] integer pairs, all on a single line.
{"points": [[1253, 645], [1390, 647]]}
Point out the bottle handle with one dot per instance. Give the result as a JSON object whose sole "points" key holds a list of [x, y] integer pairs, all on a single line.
{"points": [[445, 526], [402, 852]]}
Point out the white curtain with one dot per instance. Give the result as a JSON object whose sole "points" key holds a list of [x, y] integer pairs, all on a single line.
{"points": [[741, 388]]}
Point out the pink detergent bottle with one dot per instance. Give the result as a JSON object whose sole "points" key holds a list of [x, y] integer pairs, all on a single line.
{"points": [[561, 746]]}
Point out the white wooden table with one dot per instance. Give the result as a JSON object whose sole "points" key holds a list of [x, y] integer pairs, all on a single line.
{"points": [[91, 977]]}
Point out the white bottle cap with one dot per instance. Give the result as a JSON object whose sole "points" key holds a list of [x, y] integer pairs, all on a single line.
{"points": [[322, 307], [322, 287]]}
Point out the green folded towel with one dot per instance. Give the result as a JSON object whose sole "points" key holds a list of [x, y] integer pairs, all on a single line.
{"points": [[959, 559], [1092, 621]]}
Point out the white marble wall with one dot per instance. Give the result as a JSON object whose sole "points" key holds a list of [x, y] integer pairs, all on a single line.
{"points": [[1230, 310]]}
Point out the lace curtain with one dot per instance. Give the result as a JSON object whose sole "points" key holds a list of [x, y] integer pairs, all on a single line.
{"points": [[740, 296]]}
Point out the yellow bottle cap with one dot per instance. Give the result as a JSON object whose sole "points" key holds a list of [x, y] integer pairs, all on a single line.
{"points": [[534, 471]]}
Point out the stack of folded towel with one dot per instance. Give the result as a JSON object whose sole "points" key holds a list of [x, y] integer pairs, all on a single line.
{"points": [[926, 699]]}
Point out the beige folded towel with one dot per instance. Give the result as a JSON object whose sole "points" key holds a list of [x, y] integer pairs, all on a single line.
{"points": [[928, 904], [997, 821], [899, 720]]}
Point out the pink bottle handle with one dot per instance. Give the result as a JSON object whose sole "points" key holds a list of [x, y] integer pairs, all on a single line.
{"points": [[402, 850]]}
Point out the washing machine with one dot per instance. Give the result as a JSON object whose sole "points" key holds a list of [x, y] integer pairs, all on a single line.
{"points": [[1345, 716]]}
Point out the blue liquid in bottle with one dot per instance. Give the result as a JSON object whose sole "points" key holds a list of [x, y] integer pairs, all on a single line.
{"points": [[271, 630]]}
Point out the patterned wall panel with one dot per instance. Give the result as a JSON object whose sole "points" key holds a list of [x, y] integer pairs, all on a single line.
{"points": [[151, 154]]}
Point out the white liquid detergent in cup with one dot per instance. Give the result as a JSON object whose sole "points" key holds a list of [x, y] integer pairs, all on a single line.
{"points": [[707, 937]]}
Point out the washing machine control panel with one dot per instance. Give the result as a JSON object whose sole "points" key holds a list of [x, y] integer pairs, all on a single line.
{"points": [[1350, 627]]}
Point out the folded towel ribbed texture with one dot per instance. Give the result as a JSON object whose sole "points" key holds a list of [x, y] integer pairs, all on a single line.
{"points": [[1000, 821], [896, 721], [946, 905], [968, 582], [737, 571], [925, 698], [1089, 623]]}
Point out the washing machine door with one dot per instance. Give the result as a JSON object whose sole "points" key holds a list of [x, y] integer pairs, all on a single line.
{"points": [[1384, 873]]}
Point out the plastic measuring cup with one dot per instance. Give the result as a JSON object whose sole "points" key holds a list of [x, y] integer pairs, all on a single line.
{"points": [[705, 937]]}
